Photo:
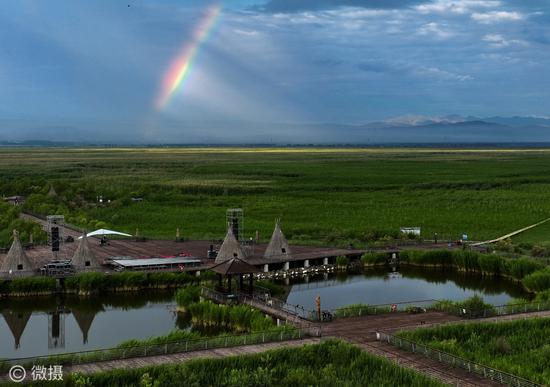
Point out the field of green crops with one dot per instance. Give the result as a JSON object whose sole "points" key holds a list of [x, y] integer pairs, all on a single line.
{"points": [[519, 347], [331, 196]]}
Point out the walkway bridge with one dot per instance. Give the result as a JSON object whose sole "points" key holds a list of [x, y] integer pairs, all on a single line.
{"points": [[274, 307]]}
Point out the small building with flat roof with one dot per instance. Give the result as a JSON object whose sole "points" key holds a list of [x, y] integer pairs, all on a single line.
{"points": [[179, 263]]}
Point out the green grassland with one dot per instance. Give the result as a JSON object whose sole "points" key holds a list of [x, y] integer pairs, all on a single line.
{"points": [[331, 363], [518, 347], [322, 195]]}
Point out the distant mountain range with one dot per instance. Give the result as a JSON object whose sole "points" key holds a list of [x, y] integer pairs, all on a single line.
{"points": [[441, 130], [452, 129]]}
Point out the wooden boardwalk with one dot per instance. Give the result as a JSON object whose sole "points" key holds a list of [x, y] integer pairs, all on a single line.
{"points": [[179, 357], [140, 362], [361, 331]]}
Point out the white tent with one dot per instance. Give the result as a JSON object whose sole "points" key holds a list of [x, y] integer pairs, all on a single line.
{"points": [[103, 231]]}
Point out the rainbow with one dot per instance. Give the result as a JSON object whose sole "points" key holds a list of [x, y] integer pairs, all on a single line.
{"points": [[180, 67]]}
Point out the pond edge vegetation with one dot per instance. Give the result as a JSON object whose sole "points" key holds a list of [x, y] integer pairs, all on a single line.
{"points": [[532, 274]]}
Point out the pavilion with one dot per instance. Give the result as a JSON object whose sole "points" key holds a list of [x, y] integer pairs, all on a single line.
{"points": [[231, 262]]}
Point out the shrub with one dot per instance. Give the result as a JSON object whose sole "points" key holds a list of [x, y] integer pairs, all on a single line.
{"points": [[342, 261], [238, 318], [474, 306], [275, 289], [188, 295], [374, 258], [521, 267], [538, 280], [360, 310], [541, 250], [31, 285], [98, 282], [501, 346], [491, 264]]}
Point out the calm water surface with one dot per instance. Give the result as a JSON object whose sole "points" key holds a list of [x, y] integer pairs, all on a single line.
{"points": [[376, 287], [71, 324], [48, 325]]}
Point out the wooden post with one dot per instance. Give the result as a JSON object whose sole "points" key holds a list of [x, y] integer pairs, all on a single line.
{"points": [[229, 283], [318, 304], [177, 234], [220, 280], [250, 284], [240, 282]]}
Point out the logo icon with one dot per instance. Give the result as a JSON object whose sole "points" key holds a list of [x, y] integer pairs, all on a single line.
{"points": [[17, 374]]}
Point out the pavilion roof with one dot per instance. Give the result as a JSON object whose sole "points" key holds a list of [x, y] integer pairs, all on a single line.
{"points": [[234, 266], [230, 248]]}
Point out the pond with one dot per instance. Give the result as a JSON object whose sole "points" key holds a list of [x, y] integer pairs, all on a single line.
{"points": [[49, 325], [384, 286]]}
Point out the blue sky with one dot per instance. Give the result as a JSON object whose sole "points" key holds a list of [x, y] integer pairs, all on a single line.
{"points": [[77, 69]]}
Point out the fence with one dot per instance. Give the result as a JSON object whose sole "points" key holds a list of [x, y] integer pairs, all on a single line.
{"points": [[262, 299], [455, 361], [270, 302], [162, 349], [500, 310], [363, 309]]}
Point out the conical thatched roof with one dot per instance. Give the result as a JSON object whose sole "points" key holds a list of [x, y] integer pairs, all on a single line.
{"points": [[278, 246], [51, 192], [84, 319], [16, 260], [83, 256], [230, 248], [16, 321]]}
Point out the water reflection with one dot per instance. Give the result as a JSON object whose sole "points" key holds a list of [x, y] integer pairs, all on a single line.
{"points": [[381, 286], [17, 322], [47, 325]]}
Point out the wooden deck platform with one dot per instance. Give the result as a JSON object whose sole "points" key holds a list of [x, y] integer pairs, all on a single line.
{"points": [[40, 255]]}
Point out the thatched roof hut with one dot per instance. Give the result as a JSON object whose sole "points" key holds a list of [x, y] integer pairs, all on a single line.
{"points": [[278, 245], [83, 257], [230, 248], [17, 322], [16, 260]]}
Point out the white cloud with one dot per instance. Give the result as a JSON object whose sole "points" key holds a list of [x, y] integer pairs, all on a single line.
{"points": [[456, 6], [497, 16], [497, 41], [443, 75], [434, 29], [245, 32]]}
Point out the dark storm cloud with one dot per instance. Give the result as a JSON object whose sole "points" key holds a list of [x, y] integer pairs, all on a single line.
{"points": [[288, 6]]}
